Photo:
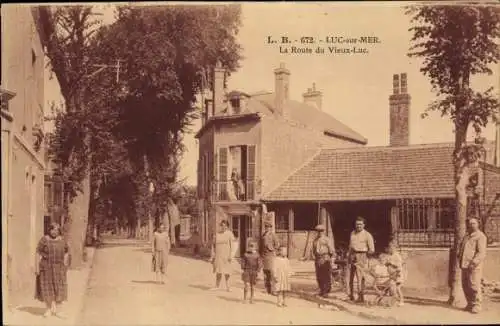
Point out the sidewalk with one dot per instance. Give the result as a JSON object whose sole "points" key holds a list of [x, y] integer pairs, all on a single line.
{"points": [[31, 312], [421, 307]]}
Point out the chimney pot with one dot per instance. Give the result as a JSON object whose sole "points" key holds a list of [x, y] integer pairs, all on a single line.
{"points": [[282, 85], [313, 97], [395, 84], [218, 95]]}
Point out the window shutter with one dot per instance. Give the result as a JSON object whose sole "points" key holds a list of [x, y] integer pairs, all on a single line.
{"points": [[251, 173], [206, 178], [200, 186], [215, 184], [223, 173]]}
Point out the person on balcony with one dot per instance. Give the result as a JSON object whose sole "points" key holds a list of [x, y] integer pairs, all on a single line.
{"points": [[238, 186]]}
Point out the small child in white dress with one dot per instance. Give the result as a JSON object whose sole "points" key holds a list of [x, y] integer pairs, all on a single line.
{"points": [[282, 274]]}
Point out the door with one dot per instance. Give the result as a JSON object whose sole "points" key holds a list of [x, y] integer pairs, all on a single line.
{"points": [[242, 228]]}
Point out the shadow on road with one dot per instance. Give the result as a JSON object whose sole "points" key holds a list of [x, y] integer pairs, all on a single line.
{"points": [[240, 300], [182, 252], [37, 311], [144, 250], [124, 243], [200, 287], [145, 282]]}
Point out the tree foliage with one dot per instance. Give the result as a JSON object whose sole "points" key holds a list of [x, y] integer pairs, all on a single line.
{"points": [[456, 43], [165, 53], [126, 128]]}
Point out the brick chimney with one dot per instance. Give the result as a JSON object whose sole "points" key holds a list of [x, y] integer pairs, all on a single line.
{"points": [[399, 103], [218, 95], [313, 97], [281, 85]]}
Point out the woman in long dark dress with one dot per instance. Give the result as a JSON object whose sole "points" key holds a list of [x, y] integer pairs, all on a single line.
{"points": [[53, 258]]}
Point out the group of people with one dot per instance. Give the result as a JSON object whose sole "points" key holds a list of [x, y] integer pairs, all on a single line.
{"points": [[53, 259], [272, 260]]}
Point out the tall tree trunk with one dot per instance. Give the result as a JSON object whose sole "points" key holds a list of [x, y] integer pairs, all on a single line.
{"points": [[92, 210], [78, 210], [461, 171]]}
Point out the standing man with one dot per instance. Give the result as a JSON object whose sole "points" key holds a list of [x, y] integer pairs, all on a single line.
{"points": [[471, 257], [268, 247], [360, 245], [323, 252]]}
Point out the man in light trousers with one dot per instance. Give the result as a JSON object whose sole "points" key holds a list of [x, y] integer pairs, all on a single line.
{"points": [[471, 258]]}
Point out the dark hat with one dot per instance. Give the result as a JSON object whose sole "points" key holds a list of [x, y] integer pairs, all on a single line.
{"points": [[267, 224], [320, 227]]}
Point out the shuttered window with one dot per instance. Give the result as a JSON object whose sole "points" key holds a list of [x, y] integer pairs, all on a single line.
{"points": [[251, 173], [223, 173], [199, 180]]}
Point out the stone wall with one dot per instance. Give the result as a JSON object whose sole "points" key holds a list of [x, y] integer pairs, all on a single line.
{"points": [[428, 268]]}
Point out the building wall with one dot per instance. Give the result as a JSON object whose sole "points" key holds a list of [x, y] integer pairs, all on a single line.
{"points": [[492, 201], [421, 276], [23, 74], [23, 68], [286, 146]]}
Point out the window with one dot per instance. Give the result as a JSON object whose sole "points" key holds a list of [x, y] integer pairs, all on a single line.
{"points": [[223, 173], [305, 217], [282, 221], [235, 105], [251, 172], [206, 177], [425, 222]]}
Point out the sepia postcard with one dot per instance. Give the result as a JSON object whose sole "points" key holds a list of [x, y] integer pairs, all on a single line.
{"points": [[239, 163]]}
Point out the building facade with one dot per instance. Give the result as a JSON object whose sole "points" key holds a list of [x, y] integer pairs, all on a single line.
{"points": [[250, 143], [23, 167], [406, 193]]}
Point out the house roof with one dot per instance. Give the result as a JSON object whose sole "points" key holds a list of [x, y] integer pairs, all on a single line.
{"points": [[307, 115], [370, 173]]}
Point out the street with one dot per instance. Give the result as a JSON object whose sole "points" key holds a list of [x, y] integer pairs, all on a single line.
{"points": [[121, 291]]}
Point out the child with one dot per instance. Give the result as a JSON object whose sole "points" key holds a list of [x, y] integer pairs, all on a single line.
{"points": [[251, 264], [196, 241], [282, 273], [394, 265]]}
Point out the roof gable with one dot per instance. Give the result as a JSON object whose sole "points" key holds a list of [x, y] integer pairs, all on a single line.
{"points": [[372, 173], [309, 116]]}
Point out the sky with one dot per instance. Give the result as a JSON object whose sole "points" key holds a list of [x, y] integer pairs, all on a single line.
{"points": [[355, 87]]}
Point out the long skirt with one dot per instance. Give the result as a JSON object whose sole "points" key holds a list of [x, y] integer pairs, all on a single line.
{"points": [[51, 284], [160, 261]]}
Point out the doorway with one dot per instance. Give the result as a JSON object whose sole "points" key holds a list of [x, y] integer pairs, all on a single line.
{"points": [[242, 228]]}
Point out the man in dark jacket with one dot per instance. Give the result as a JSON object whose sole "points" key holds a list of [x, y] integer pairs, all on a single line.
{"points": [[268, 247], [323, 252]]}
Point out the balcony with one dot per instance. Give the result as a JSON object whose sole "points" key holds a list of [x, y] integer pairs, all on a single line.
{"points": [[227, 190]]}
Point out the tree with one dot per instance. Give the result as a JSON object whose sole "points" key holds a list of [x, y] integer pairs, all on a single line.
{"points": [[165, 52], [111, 124], [456, 43], [68, 32]]}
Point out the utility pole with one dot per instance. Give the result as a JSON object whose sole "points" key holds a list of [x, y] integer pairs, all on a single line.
{"points": [[102, 67], [151, 190]]}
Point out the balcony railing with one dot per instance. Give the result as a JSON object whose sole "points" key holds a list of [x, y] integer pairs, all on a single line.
{"points": [[227, 190]]}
